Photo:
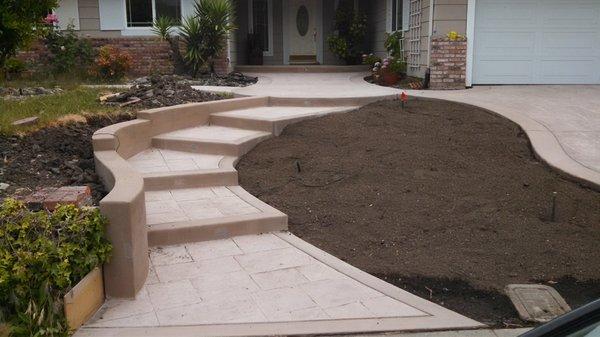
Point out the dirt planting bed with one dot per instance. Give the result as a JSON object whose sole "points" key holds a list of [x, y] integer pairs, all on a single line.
{"points": [[443, 199], [54, 156]]}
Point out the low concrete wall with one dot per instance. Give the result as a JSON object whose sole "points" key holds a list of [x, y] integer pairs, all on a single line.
{"points": [[125, 205]]}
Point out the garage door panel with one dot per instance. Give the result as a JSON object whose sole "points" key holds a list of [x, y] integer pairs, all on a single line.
{"points": [[537, 42], [509, 14], [506, 44], [569, 44], [569, 15], [498, 71], [567, 72]]}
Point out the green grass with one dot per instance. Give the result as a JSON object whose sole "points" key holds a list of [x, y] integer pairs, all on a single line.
{"points": [[76, 101]]}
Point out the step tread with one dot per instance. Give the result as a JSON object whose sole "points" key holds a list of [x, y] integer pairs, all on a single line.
{"points": [[213, 133], [155, 161], [202, 204], [277, 113]]}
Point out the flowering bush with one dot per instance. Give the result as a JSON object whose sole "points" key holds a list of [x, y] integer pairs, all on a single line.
{"points": [[371, 59], [389, 70], [68, 52], [111, 64]]}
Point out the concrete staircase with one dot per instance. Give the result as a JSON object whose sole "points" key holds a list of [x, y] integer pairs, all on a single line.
{"points": [[190, 182]]}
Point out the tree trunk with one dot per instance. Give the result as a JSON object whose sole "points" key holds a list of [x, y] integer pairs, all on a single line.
{"points": [[179, 63]]}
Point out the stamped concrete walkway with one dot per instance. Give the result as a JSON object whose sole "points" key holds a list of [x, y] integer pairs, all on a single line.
{"points": [[209, 279]]}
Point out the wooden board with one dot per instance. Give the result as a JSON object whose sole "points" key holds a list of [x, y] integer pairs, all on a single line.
{"points": [[84, 299]]}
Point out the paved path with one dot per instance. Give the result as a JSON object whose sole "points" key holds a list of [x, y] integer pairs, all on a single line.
{"points": [[260, 284]]}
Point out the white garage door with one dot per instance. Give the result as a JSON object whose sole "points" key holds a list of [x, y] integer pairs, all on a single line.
{"points": [[537, 42]]}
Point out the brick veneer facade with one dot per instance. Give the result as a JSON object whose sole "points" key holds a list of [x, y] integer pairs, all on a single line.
{"points": [[448, 64], [150, 55]]}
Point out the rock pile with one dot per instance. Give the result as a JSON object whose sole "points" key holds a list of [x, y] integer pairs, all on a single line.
{"points": [[159, 91], [20, 93]]}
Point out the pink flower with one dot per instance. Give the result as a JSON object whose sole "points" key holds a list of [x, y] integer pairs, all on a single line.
{"points": [[51, 19]]}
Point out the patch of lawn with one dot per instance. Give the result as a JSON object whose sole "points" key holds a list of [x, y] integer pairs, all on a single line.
{"points": [[76, 101]]}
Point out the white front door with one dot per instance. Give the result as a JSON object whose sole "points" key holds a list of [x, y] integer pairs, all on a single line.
{"points": [[302, 28], [537, 42]]}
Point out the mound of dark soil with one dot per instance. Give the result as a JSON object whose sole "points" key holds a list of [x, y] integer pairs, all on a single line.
{"points": [[441, 195], [161, 91], [54, 156]]}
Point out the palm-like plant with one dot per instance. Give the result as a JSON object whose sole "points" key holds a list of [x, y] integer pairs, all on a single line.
{"points": [[204, 34]]}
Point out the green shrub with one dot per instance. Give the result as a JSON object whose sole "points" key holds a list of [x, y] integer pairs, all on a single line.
{"points": [[20, 22], [393, 44], [204, 35], [68, 52], [42, 255], [111, 64], [13, 67], [348, 41]]}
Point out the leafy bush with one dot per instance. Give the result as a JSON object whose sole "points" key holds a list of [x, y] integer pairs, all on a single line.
{"points": [[42, 255], [348, 41], [20, 21], [68, 52], [393, 43], [14, 67], [204, 35], [111, 64]]}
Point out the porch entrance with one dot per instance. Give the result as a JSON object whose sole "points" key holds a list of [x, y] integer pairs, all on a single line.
{"points": [[303, 31]]}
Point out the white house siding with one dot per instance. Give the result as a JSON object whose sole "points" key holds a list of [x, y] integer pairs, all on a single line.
{"points": [[68, 14]]}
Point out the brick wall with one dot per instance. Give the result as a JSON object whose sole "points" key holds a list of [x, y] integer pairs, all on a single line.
{"points": [[448, 64], [150, 55]]}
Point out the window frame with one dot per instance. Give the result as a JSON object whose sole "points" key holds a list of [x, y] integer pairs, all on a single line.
{"points": [[268, 52], [393, 18], [147, 28]]}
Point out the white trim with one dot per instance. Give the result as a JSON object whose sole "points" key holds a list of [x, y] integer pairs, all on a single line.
{"points": [[268, 52], [390, 15], [470, 41], [319, 17], [430, 35], [285, 8], [142, 31]]}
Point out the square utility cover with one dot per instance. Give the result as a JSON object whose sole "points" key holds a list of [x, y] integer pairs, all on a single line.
{"points": [[536, 302]]}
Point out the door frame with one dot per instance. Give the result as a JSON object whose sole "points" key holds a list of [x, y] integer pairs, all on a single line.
{"points": [[286, 31]]}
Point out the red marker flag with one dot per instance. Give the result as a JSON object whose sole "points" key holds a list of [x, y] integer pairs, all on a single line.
{"points": [[404, 97]]}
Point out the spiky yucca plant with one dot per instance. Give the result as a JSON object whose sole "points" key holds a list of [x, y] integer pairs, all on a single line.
{"points": [[204, 34]]}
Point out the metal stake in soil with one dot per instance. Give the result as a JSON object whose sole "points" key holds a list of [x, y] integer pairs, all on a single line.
{"points": [[553, 214]]}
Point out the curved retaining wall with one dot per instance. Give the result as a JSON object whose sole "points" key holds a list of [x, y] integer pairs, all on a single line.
{"points": [[125, 206]]}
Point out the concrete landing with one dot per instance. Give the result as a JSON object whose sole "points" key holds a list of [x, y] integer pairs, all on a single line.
{"points": [[258, 284]]}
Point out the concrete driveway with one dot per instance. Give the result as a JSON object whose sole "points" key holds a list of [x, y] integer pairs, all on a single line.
{"points": [[562, 122]]}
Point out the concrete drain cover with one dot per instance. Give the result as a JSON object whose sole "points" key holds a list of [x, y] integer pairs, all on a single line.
{"points": [[537, 303]]}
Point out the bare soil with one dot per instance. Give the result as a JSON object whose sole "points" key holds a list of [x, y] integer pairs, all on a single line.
{"points": [[443, 199], [55, 156]]}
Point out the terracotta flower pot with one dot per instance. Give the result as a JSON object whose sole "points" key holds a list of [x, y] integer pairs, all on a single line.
{"points": [[390, 78]]}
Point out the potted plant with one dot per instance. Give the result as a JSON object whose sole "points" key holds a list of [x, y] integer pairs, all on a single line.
{"points": [[390, 71], [255, 49]]}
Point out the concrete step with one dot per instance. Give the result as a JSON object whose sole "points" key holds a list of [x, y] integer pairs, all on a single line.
{"points": [[272, 119], [165, 169], [177, 216], [211, 139]]}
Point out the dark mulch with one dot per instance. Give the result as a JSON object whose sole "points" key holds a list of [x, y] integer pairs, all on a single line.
{"points": [[160, 91], [440, 195], [53, 156]]}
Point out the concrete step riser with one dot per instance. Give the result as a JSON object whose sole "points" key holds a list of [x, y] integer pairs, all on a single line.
{"points": [[221, 229], [242, 123], [207, 147], [191, 180]]}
